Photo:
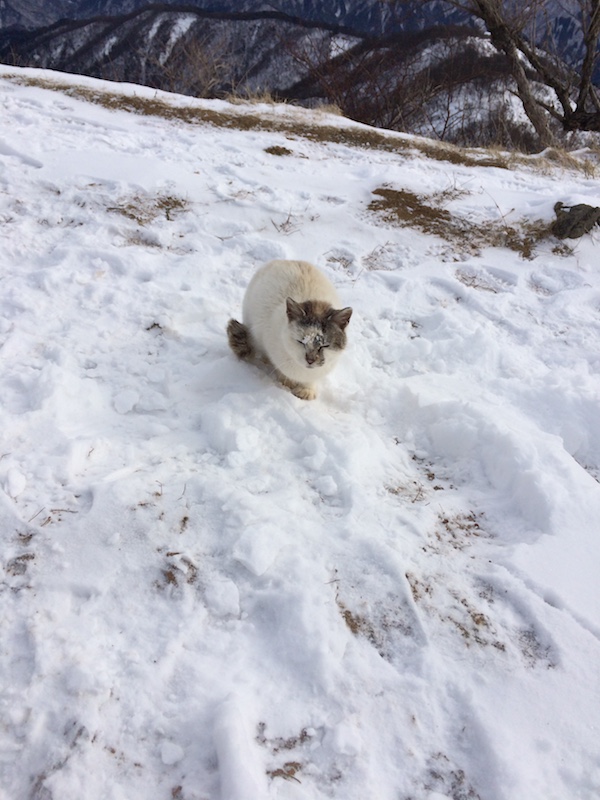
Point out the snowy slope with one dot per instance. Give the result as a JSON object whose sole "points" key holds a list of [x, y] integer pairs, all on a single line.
{"points": [[215, 591]]}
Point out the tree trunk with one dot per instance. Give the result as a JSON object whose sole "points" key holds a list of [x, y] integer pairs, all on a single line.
{"points": [[590, 38], [503, 39]]}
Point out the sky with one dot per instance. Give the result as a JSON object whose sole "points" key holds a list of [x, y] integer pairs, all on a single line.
{"points": [[213, 590]]}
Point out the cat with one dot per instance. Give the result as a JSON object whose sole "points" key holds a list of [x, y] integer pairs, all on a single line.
{"points": [[293, 323]]}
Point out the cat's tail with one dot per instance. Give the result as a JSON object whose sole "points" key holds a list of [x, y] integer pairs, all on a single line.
{"points": [[239, 339]]}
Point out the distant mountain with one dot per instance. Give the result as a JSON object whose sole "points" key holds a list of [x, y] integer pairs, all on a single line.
{"points": [[397, 81], [418, 67], [371, 17], [178, 48], [558, 18]]}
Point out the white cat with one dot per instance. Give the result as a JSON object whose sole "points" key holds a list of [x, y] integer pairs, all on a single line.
{"points": [[293, 323]]}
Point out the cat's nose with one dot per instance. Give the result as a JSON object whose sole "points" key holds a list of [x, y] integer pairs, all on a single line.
{"points": [[310, 359]]}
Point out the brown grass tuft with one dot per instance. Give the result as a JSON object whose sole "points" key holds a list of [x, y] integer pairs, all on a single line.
{"points": [[406, 209], [276, 150], [144, 210]]}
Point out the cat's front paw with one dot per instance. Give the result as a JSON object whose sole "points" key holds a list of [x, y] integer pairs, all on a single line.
{"points": [[304, 392]]}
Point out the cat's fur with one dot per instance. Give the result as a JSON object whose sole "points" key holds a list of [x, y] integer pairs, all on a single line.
{"points": [[292, 322]]}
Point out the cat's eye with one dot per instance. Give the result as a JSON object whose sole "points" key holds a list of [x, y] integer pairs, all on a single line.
{"points": [[316, 344]]}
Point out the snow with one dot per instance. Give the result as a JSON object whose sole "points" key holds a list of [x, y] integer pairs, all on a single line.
{"points": [[178, 30], [213, 590]]}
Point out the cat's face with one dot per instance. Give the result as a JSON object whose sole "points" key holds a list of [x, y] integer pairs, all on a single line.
{"points": [[316, 331]]}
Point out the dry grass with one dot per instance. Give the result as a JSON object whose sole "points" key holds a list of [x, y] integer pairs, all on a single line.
{"points": [[19, 564], [458, 530], [406, 209], [340, 259], [253, 97], [384, 625], [555, 156], [475, 280], [329, 108], [177, 572], [289, 225], [278, 745], [145, 209], [414, 491], [358, 624], [401, 207], [287, 771], [276, 150], [308, 128]]}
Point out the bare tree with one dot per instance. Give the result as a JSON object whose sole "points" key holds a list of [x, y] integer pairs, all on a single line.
{"points": [[196, 63], [515, 29], [574, 88], [386, 82]]}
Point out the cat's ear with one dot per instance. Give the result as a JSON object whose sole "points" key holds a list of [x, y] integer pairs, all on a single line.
{"points": [[341, 317], [294, 310]]}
